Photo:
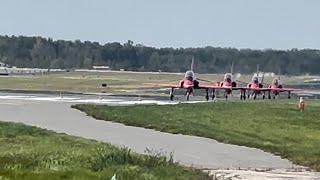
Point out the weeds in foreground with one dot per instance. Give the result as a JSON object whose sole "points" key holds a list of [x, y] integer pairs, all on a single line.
{"points": [[33, 153]]}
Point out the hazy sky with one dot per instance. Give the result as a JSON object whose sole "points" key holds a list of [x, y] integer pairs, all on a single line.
{"points": [[277, 24]]}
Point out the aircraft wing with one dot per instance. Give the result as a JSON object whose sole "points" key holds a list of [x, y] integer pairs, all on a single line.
{"points": [[272, 89], [256, 89], [175, 86]]}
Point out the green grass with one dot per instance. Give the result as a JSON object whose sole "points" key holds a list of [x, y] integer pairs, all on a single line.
{"points": [[32, 153], [118, 82], [274, 126]]}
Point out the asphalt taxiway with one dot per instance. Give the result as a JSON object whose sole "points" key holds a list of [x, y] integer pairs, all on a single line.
{"points": [[54, 113]]}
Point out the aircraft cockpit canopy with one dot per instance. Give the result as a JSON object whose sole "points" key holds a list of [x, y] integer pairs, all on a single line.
{"points": [[255, 79], [276, 81], [189, 75], [228, 77]]}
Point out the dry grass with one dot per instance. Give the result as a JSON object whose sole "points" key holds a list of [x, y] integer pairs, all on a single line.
{"points": [[117, 82]]}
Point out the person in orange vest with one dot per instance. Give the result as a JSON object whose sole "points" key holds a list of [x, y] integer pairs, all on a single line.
{"points": [[301, 104]]}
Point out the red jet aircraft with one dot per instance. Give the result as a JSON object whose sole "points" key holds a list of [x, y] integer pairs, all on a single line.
{"points": [[257, 87], [228, 85], [190, 83], [276, 87]]}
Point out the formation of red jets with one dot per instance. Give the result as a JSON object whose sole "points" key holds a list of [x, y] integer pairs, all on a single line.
{"points": [[253, 88]]}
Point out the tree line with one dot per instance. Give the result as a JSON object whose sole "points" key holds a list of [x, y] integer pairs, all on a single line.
{"points": [[39, 52]]}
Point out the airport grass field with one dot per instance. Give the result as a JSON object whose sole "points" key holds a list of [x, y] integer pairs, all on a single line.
{"points": [[276, 126], [31, 153], [117, 82]]}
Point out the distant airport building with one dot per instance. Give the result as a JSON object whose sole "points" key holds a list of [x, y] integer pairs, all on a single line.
{"points": [[101, 67], [266, 74], [3, 71]]}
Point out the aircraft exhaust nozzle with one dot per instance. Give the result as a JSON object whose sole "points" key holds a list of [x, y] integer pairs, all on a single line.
{"points": [[192, 62], [232, 66]]}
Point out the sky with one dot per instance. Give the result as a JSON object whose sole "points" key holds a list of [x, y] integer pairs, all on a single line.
{"points": [[255, 24]]}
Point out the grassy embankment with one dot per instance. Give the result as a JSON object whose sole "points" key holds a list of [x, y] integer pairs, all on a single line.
{"points": [[274, 126], [32, 153], [117, 82]]}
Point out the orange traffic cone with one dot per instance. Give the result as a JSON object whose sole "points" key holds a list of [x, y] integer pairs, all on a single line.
{"points": [[301, 104]]}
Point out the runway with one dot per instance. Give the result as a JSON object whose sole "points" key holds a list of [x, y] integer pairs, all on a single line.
{"points": [[54, 113], [97, 99]]}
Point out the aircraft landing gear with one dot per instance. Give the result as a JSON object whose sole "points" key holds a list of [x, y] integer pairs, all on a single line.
{"points": [[254, 96], [187, 93], [213, 95], [289, 95], [171, 94], [243, 95], [171, 97], [188, 96], [207, 95], [269, 95], [263, 96]]}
